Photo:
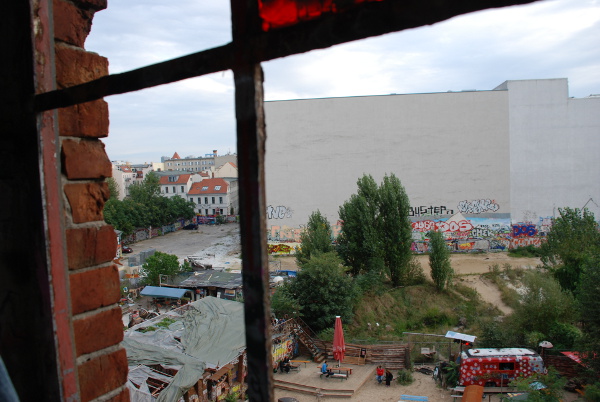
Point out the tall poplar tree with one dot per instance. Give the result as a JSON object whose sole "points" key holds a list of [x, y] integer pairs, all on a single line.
{"points": [[316, 239], [439, 261]]}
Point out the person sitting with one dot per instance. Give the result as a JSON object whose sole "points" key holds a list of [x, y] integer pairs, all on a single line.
{"points": [[325, 369]]}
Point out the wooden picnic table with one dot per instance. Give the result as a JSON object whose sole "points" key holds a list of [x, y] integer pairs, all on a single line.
{"points": [[300, 361], [346, 370]]}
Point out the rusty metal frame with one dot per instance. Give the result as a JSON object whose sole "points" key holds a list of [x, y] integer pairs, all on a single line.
{"points": [[243, 55]]}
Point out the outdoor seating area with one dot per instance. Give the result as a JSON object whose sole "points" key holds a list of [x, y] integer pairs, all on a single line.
{"points": [[334, 375]]}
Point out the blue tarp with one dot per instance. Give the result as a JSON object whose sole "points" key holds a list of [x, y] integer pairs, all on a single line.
{"points": [[155, 291]]}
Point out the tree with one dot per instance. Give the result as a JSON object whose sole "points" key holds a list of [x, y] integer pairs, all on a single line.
{"points": [[571, 243], [377, 233], [315, 239], [147, 190], [439, 261], [161, 264], [357, 243], [283, 302], [323, 290], [589, 309], [113, 188], [395, 229]]}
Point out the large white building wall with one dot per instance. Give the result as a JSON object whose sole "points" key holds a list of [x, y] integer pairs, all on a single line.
{"points": [[554, 149], [448, 150]]}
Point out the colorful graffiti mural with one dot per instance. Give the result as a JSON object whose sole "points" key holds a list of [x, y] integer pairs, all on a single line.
{"points": [[462, 233]]}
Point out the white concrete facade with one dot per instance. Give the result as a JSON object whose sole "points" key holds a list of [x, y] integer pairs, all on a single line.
{"points": [[492, 158]]}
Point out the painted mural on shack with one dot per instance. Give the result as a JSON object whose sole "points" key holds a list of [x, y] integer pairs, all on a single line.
{"points": [[474, 225]]}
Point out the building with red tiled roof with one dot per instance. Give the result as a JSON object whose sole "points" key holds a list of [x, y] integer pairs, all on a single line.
{"points": [[214, 197], [175, 184], [176, 156]]}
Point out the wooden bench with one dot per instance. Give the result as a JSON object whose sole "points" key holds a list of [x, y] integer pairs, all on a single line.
{"points": [[413, 398], [300, 361], [334, 375]]}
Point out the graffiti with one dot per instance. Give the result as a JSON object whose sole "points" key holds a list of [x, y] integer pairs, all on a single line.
{"points": [[284, 234], [140, 234], [479, 232], [499, 244], [419, 247], [279, 212], [466, 246], [430, 210], [478, 206], [440, 226], [521, 230], [279, 249], [526, 241]]}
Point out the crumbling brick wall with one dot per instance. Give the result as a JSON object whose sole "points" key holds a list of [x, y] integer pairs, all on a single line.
{"points": [[91, 243]]}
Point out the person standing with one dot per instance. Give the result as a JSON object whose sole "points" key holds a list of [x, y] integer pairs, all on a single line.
{"points": [[380, 373], [388, 378]]}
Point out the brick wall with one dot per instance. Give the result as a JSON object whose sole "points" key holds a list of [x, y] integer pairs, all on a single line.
{"points": [[91, 243]]}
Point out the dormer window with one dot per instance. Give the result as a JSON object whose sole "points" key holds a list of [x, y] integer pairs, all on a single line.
{"points": [[204, 188], [217, 188]]}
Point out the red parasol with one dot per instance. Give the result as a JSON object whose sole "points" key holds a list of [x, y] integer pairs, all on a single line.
{"points": [[339, 345]]}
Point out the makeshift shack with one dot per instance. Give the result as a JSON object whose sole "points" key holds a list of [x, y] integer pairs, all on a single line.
{"points": [[196, 352], [224, 285]]}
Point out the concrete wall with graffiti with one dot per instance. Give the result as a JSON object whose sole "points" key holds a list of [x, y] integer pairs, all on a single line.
{"points": [[488, 168]]}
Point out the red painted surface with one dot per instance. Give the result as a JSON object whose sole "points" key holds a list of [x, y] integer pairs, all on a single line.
{"points": [[281, 13]]}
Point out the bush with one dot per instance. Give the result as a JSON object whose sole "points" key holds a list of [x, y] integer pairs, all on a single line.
{"points": [[404, 377], [592, 393], [525, 252]]}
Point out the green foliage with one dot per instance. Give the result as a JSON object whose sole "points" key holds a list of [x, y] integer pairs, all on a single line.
{"points": [[232, 397], [404, 377], [335, 294], [160, 264], [113, 188], [283, 302], [377, 232], [370, 282], [145, 207], [165, 322], [563, 335], [439, 261], [315, 239], [357, 243], [588, 302], [571, 243], [452, 373], [553, 391], [542, 304], [592, 393], [529, 251]]}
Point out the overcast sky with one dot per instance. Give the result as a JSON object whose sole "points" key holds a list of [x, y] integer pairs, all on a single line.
{"points": [[548, 39]]}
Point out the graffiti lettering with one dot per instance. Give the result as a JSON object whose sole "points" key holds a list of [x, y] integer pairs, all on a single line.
{"points": [[453, 226], [279, 212], [279, 249], [478, 206], [526, 241], [430, 210], [478, 232], [524, 230]]}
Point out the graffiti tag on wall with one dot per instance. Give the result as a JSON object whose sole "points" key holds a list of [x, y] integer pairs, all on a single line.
{"points": [[279, 212], [441, 226], [430, 210], [478, 206], [523, 230]]}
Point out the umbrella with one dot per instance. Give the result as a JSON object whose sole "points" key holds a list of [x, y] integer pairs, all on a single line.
{"points": [[339, 346]]}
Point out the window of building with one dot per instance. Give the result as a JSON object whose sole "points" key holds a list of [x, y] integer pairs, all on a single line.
{"points": [[167, 190], [204, 188], [217, 188], [213, 211], [206, 200], [220, 200], [174, 190], [182, 189], [213, 200]]}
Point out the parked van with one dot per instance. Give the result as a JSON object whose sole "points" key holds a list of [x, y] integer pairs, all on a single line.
{"points": [[497, 367]]}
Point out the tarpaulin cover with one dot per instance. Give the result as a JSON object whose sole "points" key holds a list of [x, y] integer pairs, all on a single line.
{"points": [[462, 337], [213, 335], [156, 291]]}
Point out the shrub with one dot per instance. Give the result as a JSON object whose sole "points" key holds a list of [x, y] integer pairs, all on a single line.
{"points": [[404, 377]]}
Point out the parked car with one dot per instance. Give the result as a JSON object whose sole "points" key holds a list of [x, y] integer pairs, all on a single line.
{"points": [[126, 249]]}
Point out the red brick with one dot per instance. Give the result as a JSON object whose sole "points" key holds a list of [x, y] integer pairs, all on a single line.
{"points": [[94, 289], [95, 5], [98, 331], [87, 200], [71, 23], [75, 66], [102, 374], [85, 159], [122, 397], [88, 119], [87, 247]]}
